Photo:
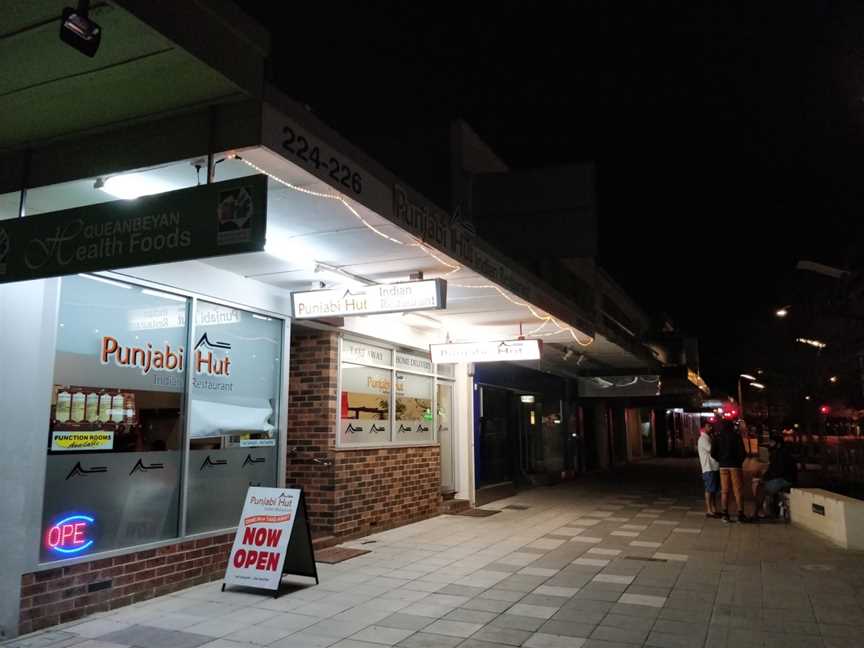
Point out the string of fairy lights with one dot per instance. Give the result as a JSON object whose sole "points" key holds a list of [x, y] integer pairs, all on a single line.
{"points": [[544, 318]]}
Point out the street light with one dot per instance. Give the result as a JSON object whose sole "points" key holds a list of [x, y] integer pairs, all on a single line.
{"points": [[832, 379], [752, 383], [782, 312]]}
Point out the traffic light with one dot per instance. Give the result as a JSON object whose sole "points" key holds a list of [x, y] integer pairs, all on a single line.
{"points": [[824, 409]]}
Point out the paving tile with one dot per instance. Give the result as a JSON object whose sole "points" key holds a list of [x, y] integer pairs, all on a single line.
{"points": [[625, 622], [501, 595], [351, 643], [599, 551], [692, 530], [583, 522], [535, 611], [487, 605], [546, 544], [305, 639], [517, 622], [92, 629], [609, 633], [152, 637], [470, 616], [543, 640], [568, 628], [587, 539], [260, 635], [537, 571], [505, 636], [662, 640], [671, 556], [612, 578], [216, 628], [551, 590], [569, 531], [405, 621], [461, 590], [640, 599], [423, 640], [453, 628], [377, 634], [645, 544], [625, 534], [591, 562]]}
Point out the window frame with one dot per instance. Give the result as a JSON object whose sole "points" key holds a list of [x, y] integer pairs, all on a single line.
{"points": [[193, 298], [394, 349]]}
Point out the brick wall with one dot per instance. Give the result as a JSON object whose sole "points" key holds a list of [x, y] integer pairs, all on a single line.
{"points": [[312, 422], [69, 593], [363, 490], [382, 488]]}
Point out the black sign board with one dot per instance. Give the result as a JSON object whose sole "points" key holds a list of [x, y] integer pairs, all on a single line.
{"points": [[227, 217]]}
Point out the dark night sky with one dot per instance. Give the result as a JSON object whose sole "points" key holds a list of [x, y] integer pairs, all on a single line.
{"points": [[728, 136]]}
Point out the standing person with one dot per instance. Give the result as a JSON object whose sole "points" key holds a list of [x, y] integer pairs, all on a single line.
{"points": [[728, 450], [710, 471]]}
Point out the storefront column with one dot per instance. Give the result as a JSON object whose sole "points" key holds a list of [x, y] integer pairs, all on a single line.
{"points": [[28, 312]]}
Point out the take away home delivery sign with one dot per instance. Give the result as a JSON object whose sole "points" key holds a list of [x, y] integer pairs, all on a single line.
{"points": [[258, 554]]}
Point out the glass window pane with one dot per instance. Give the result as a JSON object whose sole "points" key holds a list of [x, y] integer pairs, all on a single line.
{"points": [[416, 362], [365, 405], [413, 408], [359, 353], [234, 412], [444, 423], [446, 370], [114, 443]]}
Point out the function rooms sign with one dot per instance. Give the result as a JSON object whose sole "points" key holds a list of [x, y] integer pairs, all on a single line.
{"points": [[429, 294]]}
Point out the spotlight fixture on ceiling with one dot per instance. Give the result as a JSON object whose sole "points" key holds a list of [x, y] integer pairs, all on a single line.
{"points": [[568, 353], [78, 31]]}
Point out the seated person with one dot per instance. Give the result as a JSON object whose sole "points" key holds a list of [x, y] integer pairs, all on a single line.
{"points": [[782, 472]]}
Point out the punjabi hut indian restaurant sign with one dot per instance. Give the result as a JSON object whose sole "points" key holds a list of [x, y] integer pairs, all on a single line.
{"points": [[487, 351], [430, 294], [210, 220]]}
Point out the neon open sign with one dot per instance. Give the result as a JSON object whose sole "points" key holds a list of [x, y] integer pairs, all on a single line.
{"points": [[70, 535]]}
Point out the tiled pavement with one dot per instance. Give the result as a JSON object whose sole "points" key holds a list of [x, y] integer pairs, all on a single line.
{"points": [[618, 564]]}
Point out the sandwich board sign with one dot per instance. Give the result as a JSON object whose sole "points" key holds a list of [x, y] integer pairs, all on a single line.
{"points": [[272, 539]]}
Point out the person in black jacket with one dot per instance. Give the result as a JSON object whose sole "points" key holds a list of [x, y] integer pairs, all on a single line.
{"points": [[728, 450], [782, 472]]}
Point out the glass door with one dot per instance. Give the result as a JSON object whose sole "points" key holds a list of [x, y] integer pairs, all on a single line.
{"points": [[445, 437]]}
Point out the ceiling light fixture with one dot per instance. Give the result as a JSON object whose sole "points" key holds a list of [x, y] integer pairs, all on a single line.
{"points": [[129, 186]]}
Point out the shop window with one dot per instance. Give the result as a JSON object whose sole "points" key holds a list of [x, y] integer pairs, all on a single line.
{"points": [[115, 433], [125, 357], [413, 408], [365, 405], [387, 396], [233, 418]]}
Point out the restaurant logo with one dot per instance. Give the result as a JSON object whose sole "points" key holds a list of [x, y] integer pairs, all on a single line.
{"points": [[251, 460], [79, 471], [353, 430], [209, 463], [421, 429], [234, 216], [375, 429], [140, 467], [145, 358], [5, 246], [207, 362], [403, 428]]}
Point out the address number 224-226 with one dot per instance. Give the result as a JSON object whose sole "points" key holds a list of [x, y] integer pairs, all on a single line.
{"points": [[300, 147]]}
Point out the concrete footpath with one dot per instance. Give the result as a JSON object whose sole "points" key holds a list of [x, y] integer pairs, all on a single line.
{"points": [[615, 562]]}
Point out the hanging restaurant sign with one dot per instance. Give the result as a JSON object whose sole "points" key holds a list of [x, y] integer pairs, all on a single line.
{"points": [[227, 217], [488, 351], [429, 294]]}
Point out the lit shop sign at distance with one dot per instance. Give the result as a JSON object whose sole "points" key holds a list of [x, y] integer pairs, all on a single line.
{"points": [[69, 536], [430, 294], [490, 351]]}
